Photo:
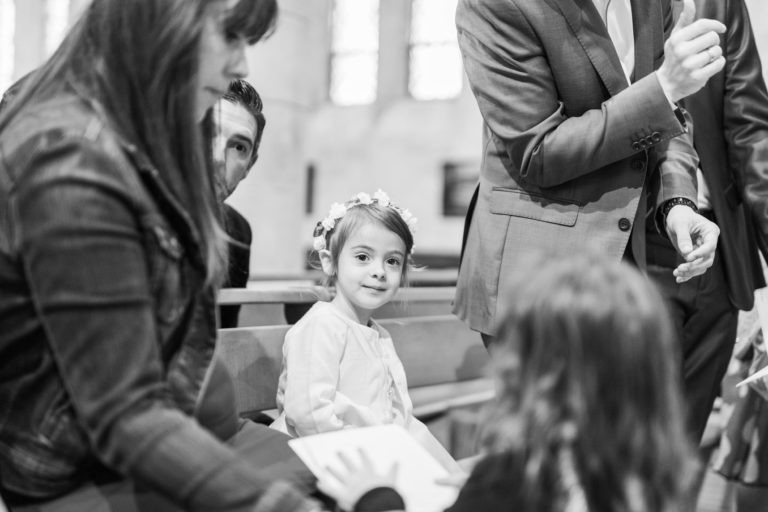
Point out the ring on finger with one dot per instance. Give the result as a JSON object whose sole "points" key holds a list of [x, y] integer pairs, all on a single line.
{"points": [[712, 54]]}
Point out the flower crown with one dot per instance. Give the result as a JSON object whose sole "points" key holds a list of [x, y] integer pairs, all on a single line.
{"points": [[338, 210]]}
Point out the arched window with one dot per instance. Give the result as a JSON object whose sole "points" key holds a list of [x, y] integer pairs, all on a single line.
{"points": [[435, 69], [354, 52], [7, 47]]}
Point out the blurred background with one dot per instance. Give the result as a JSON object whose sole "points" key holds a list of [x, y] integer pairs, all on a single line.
{"points": [[359, 95]]}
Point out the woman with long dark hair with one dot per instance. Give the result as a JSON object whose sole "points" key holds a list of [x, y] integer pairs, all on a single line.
{"points": [[110, 254]]}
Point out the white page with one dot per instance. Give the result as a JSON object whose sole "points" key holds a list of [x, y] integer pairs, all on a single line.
{"points": [[386, 444]]}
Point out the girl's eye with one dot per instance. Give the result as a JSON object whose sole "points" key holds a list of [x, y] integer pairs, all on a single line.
{"points": [[394, 262], [361, 257]]}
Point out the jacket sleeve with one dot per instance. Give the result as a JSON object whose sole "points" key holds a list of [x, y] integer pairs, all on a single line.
{"points": [[745, 116], [675, 160], [83, 258], [511, 78]]}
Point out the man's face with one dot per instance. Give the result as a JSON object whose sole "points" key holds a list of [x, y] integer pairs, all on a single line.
{"points": [[233, 143]]}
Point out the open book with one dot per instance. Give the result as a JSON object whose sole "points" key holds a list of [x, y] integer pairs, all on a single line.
{"points": [[386, 444]]}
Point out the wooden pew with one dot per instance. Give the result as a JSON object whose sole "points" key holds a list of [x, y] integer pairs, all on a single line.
{"points": [[273, 305], [444, 362], [286, 304]]}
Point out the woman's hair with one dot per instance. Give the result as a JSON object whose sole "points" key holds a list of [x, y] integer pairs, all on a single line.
{"points": [[138, 59], [357, 216], [587, 373]]}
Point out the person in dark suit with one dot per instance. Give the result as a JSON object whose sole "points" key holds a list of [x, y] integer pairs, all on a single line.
{"points": [[239, 124], [581, 132], [730, 130]]}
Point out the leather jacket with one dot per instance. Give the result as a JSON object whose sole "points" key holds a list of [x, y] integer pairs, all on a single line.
{"points": [[107, 329]]}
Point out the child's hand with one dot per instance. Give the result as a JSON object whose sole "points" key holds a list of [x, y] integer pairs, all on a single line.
{"points": [[349, 483]]}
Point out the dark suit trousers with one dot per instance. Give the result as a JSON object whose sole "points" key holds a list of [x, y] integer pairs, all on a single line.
{"points": [[705, 321]]}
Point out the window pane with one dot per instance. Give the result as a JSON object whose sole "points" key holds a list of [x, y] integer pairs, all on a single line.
{"points": [[353, 79], [355, 25], [432, 21], [354, 52], [56, 23], [436, 72], [435, 68]]}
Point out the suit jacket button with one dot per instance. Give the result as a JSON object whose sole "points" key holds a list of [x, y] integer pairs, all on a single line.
{"points": [[656, 137], [636, 146], [643, 143], [624, 224]]}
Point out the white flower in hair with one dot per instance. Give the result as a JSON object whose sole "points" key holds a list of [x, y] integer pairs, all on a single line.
{"points": [[381, 197], [318, 243], [328, 223], [337, 211]]}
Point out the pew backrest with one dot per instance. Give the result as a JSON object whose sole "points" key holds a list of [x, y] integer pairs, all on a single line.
{"points": [[444, 362]]}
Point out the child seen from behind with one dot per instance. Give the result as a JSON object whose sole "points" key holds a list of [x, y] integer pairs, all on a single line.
{"points": [[588, 415], [340, 368]]}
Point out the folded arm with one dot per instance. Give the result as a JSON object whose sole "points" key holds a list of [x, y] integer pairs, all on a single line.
{"points": [[517, 93]]}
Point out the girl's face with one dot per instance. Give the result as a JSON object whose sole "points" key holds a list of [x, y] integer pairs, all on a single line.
{"points": [[222, 57], [369, 270]]}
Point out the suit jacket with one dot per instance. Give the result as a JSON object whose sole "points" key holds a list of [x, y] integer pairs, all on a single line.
{"points": [[570, 150], [730, 129], [239, 265]]}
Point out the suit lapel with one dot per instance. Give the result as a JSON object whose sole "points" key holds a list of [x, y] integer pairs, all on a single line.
{"points": [[590, 31]]}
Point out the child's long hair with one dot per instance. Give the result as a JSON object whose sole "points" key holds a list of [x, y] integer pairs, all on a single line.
{"points": [[139, 60], [588, 376]]}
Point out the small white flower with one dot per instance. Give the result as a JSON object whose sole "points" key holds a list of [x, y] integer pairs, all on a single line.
{"points": [[381, 197], [318, 243], [406, 215], [328, 223], [364, 198], [412, 223], [337, 211]]}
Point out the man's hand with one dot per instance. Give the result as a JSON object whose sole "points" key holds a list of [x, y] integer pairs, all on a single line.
{"points": [[695, 238], [692, 54]]}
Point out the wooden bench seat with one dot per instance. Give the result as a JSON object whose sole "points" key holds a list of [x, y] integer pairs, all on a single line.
{"points": [[444, 362]]}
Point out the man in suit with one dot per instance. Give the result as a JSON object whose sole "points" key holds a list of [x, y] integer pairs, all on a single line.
{"points": [[238, 127], [582, 138], [730, 130]]}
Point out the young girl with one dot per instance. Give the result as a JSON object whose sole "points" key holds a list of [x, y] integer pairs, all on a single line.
{"points": [[588, 415], [340, 369]]}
